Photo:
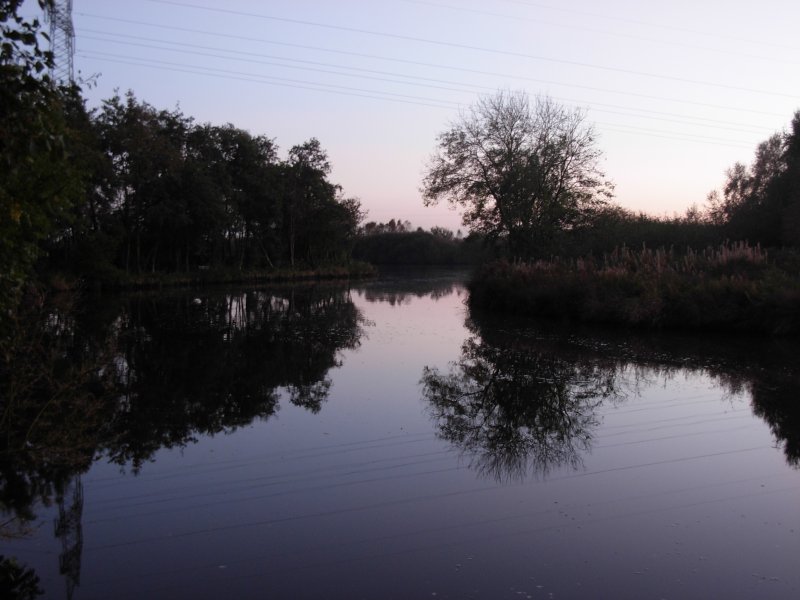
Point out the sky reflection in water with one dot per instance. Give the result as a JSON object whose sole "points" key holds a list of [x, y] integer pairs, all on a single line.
{"points": [[382, 441]]}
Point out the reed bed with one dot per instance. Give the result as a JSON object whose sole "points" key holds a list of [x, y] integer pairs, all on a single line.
{"points": [[730, 287]]}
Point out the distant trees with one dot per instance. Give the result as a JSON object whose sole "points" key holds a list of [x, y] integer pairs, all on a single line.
{"points": [[398, 243], [612, 227], [761, 202], [522, 173], [391, 226]]}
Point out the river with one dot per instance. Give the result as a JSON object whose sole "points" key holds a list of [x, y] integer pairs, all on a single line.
{"points": [[379, 440]]}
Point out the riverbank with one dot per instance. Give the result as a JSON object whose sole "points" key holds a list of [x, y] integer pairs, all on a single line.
{"points": [[120, 280], [734, 287]]}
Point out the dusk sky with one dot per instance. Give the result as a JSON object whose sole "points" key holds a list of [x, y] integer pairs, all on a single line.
{"points": [[678, 91]]}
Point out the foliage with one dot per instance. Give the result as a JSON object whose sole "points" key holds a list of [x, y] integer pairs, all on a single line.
{"points": [[734, 287], [128, 188], [168, 195], [525, 174], [18, 582], [612, 227], [392, 226], [436, 247], [761, 202], [38, 181]]}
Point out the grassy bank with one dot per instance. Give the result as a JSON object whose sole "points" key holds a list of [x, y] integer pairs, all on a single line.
{"points": [[113, 279], [734, 287]]}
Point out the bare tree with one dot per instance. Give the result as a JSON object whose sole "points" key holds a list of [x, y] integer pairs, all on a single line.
{"points": [[521, 172]]}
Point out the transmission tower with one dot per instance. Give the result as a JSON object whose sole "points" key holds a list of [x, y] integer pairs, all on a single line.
{"points": [[69, 527], [62, 40]]}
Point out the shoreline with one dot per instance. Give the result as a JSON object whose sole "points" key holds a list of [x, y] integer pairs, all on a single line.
{"points": [[650, 291], [120, 281]]}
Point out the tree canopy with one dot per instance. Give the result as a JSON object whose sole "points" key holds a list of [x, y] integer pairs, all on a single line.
{"points": [[761, 202], [38, 182], [523, 172], [175, 195]]}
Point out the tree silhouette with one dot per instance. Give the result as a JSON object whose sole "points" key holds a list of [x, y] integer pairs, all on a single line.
{"points": [[517, 409], [523, 173]]}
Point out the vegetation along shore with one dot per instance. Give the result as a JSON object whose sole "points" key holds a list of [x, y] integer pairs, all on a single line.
{"points": [[528, 177]]}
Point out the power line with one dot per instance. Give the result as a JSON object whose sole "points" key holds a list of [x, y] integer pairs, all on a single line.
{"points": [[259, 79], [717, 124], [470, 47], [400, 502], [359, 92], [250, 483], [370, 541], [303, 68], [260, 55], [684, 137], [640, 38], [431, 65], [651, 24]]}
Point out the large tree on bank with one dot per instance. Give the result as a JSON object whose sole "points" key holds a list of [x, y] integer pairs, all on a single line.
{"points": [[523, 172]]}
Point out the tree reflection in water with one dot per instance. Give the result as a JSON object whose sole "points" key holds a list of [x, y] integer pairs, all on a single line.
{"points": [[194, 366], [523, 399], [516, 409], [123, 379]]}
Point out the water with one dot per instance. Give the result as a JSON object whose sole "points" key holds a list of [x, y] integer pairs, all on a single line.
{"points": [[381, 441]]}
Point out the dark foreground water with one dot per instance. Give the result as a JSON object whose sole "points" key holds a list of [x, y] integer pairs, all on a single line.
{"points": [[380, 441]]}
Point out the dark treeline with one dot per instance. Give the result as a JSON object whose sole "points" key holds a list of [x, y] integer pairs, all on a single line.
{"points": [[166, 194], [611, 227], [398, 243], [605, 229]]}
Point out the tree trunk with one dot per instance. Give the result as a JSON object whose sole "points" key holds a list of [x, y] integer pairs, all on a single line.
{"points": [[138, 252], [266, 254]]}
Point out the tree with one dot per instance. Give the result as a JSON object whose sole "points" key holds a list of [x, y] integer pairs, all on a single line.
{"points": [[310, 199], [251, 196], [38, 183], [524, 173], [787, 186], [146, 149], [761, 202]]}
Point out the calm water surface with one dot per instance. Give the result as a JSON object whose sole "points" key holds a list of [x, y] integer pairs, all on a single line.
{"points": [[379, 441]]}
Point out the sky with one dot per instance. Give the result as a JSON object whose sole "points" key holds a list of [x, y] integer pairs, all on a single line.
{"points": [[678, 91]]}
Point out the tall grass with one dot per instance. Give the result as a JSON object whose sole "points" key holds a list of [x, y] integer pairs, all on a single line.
{"points": [[733, 286]]}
